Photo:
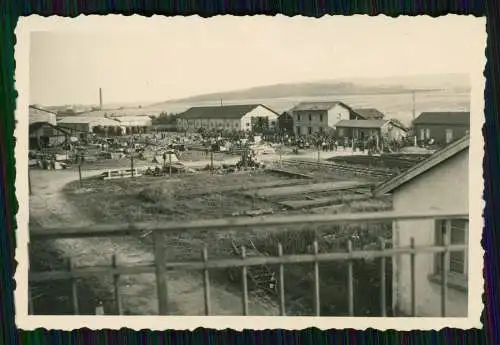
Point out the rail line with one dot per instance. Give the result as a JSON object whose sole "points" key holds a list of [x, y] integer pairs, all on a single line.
{"points": [[342, 168]]}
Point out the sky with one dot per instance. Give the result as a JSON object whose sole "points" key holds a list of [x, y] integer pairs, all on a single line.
{"points": [[181, 57]]}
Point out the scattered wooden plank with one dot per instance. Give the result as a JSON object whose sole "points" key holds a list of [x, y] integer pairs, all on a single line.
{"points": [[255, 186], [290, 173], [308, 188], [328, 201]]}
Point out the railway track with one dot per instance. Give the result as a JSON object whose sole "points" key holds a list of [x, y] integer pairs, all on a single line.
{"points": [[388, 161], [342, 168]]}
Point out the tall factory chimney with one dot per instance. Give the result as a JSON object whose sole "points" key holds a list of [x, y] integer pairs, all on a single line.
{"points": [[100, 99]]}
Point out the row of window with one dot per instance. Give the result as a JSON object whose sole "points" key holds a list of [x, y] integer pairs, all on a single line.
{"points": [[425, 134], [212, 124], [309, 130], [310, 117], [219, 124]]}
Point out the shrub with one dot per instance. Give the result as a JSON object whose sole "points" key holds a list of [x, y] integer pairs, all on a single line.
{"points": [[154, 194]]}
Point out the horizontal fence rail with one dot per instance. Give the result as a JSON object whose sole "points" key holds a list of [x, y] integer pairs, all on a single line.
{"points": [[131, 229], [160, 266]]}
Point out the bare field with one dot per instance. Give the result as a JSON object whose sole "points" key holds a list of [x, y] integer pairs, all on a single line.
{"points": [[161, 199]]}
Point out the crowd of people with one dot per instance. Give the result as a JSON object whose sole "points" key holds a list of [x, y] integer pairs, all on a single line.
{"points": [[319, 141]]}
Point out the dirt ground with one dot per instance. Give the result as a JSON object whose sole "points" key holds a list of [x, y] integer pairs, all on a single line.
{"points": [[49, 206], [58, 200]]}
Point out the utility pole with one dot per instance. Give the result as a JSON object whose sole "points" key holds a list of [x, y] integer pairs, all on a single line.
{"points": [[413, 104], [413, 118], [80, 162], [132, 149], [211, 159], [170, 164]]}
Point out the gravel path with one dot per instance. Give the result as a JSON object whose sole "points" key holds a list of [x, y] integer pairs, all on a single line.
{"points": [[48, 207]]}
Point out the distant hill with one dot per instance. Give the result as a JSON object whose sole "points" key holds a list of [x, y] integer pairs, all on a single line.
{"points": [[333, 88]]}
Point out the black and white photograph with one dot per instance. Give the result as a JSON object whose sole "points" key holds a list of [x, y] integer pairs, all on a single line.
{"points": [[293, 171]]}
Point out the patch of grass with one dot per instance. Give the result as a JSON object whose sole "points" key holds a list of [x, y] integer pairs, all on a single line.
{"points": [[156, 198], [299, 279]]}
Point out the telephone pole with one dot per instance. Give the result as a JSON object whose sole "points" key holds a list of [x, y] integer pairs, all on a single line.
{"points": [[132, 150], [170, 164], [80, 162], [413, 117]]}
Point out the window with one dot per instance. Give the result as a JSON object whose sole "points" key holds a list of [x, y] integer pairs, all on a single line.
{"points": [[422, 134], [309, 130], [321, 118], [454, 231], [298, 117], [298, 130], [427, 133], [310, 117]]}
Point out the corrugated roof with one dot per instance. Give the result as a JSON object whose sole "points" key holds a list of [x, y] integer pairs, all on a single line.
{"points": [[220, 112], [361, 123], [119, 112], [95, 121], [40, 109], [427, 164], [369, 113], [305, 106], [443, 118], [37, 125], [130, 118]]}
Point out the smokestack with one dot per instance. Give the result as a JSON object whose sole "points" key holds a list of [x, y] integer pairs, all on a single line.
{"points": [[100, 98]]}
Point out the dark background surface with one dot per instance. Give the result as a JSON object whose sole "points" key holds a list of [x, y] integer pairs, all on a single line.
{"points": [[11, 10]]}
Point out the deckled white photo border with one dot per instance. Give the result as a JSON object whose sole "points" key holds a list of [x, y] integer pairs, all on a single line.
{"points": [[477, 42]]}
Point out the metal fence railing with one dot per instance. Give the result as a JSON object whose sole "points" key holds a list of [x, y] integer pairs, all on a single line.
{"points": [[160, 266]]}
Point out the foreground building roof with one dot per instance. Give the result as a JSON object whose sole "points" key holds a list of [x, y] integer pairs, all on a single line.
{"points": [[424, 166]]}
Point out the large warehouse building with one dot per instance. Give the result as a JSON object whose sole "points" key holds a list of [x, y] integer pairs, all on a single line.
{"points": [[248, 117]]}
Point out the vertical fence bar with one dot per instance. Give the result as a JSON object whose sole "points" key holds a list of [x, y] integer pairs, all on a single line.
{"points": [[317, 304], [244, 282], [116, 285], [444, 267], [161, 279], [383, 303], [412, 279], [206, 282], [282, 282], [350, 281], [74, 289]]}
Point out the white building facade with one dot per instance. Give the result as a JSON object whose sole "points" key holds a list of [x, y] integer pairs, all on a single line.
{"points": [[318, 117], [230, 117], [438, 184]]}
